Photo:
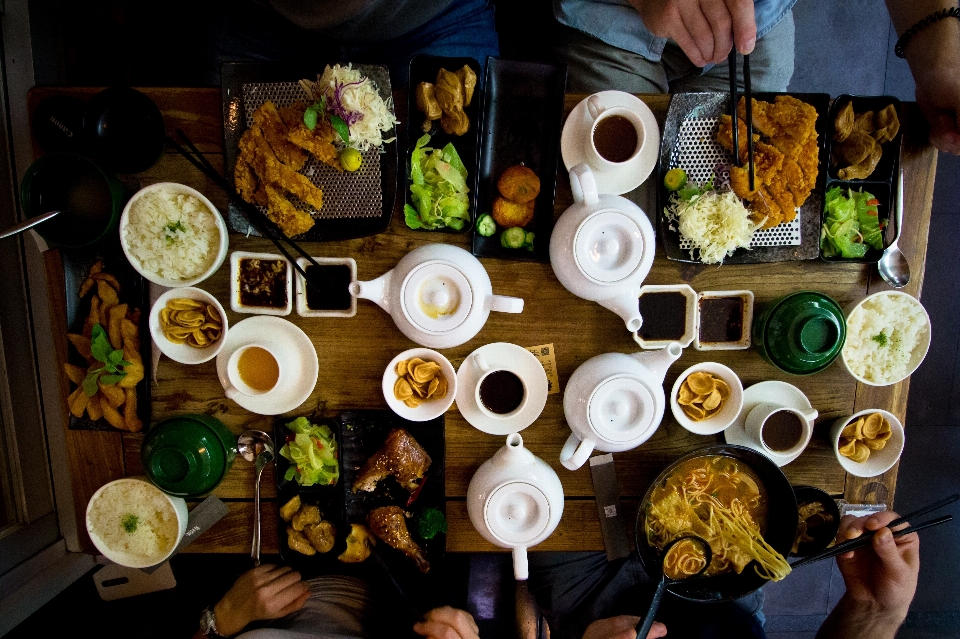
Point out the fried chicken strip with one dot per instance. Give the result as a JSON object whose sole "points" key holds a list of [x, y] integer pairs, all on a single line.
{"points": [[275, 132]]}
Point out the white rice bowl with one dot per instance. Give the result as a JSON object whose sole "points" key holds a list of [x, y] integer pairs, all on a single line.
{"points": [[888, 335], [172, 234]]}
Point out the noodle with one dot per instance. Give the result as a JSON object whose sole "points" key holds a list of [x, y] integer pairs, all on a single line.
{"points": [[713, 498]]}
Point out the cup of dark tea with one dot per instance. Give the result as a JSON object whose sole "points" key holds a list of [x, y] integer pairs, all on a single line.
{"points": [[616, 134], [500, 393], [781, 430]]}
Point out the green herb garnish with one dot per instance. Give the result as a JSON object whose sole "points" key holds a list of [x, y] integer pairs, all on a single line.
{"points": [[880, 338], [111, 359], [130, 522], [171, 231], [340, 127]]}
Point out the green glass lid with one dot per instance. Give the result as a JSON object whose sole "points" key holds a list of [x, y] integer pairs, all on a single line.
{"points": [[804, 332]]}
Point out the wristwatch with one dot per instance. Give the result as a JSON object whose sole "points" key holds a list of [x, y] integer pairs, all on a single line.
{"points": [[208, 623]]}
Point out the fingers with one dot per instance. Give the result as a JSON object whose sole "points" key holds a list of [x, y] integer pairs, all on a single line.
{"points": [[945, 133], [281, 581], [295, 605], [657, 630], [447, 623], [744, 25], [721, 26]]}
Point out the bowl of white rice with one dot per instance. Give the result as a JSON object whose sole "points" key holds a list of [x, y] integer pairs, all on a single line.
{"points": [[135, 524], [888, 335], [173, 235]]}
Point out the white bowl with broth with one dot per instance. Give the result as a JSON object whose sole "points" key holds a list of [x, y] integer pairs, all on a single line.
{"points": [[183, 352], [135, 524], [173, 235]]}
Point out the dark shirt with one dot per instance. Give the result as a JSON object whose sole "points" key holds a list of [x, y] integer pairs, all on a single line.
{"points": [[360, 21]]}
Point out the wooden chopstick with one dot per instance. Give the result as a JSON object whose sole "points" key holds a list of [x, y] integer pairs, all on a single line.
{"points": [[732, 64], [748, 100], [865, 540], [256, 217]]}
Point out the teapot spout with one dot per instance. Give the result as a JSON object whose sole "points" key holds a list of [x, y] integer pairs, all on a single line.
{"points": [[374, 290], [627, 306], [657, 362]]}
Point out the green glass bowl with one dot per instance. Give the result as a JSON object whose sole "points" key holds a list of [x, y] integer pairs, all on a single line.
{"points": [[188, 455], [801, 333]]}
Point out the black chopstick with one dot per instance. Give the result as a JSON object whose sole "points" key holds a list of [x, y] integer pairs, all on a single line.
{"points": [[412, 607], [732, 64], [748, 101], [926, 509], [865, 540], [253, 214]]}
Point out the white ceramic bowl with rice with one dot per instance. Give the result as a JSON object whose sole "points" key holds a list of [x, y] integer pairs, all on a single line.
{"points": [[173, 235], [135, 524], [879, 461], [888, 335]]}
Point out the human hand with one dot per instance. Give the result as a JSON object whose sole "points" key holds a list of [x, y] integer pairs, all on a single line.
{"points": [[447, 623], [265, 592], [938, 95], [706, 30], [884, 575], [622, 627]]}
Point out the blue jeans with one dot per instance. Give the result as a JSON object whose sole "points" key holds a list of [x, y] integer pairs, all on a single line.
{"points": [[248, 31], [574, 589]]}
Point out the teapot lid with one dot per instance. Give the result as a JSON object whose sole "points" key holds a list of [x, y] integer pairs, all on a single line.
{"points": [[620, 408], [517, 512], [437, 297], [608, 246]]}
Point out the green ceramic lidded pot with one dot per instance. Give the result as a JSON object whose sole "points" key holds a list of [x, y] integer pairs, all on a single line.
{"points": [[801, 333], [188, 455]]}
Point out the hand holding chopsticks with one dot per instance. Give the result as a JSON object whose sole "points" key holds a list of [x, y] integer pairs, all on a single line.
{"points": [[748, 104]]}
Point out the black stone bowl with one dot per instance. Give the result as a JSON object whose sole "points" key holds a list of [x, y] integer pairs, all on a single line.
{"points": [[781, 527], [124, 130], [825, 532]]}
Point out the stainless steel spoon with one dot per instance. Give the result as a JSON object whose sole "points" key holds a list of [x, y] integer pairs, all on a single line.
{"points": [[256, 446], [27, 224], [893, 265]]}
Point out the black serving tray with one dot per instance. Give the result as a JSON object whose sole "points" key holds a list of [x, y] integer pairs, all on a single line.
{"points": [[328, 498], [521, 123], [705, 105], [424, 68], [134, 290], [233, 76]]}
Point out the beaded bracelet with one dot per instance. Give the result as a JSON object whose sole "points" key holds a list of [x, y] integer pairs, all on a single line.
{"points": [[923, 24]]}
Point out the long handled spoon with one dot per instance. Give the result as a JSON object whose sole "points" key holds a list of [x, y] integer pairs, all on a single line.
{"points": [[256, 446], [893, 265], [643, 628], [28, 224]]}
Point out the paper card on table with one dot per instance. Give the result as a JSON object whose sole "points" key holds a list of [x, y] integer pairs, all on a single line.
{"points": [[613, 524]]}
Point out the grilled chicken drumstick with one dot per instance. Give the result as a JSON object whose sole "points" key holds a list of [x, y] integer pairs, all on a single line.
{"points": [[389, 524], [401, 456]]}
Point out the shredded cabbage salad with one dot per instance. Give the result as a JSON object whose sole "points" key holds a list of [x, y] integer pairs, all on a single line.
{"points": [[312, 452], [351, 96], [716, 223]]}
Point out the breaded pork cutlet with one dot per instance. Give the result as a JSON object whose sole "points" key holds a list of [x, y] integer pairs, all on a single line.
{"points": [[275, 173], [275, 131]]}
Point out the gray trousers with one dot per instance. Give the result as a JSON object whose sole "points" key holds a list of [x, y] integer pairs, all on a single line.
{"points": [[593, 65], [574, 589]]}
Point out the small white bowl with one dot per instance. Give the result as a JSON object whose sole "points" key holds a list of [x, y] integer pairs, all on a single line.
{"points": [[235, 304], [305, 311], [127, 559], [224, 240], [916, 357], [432, 407], [184, 353], [880, 461], [746, 322], [731, 408], [690, 321]]}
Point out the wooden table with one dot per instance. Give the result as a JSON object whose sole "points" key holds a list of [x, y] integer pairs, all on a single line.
{"points": [[354, 352]]}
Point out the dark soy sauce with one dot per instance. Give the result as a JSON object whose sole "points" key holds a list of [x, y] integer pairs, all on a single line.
{"points": [[721, 319], [615, 138], [333, 280], [501, 392], [782, 431], [664, 316]]}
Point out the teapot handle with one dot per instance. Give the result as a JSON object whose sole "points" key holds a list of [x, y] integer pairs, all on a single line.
{"points": [[505, 304], [583, 185], [520, 569], [575, 452]]}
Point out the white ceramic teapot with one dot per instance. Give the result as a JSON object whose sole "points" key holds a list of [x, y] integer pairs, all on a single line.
{"points": [[515, 500], [602, 247], [438, 295], [614, 402]]}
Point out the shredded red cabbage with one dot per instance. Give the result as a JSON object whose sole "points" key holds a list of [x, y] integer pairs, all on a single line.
{"points": [[336, 107]]}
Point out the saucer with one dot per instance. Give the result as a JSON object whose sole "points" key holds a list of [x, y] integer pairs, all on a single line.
{"points": [[631, 173], [296, 353], [775, 392], [517, 360]]}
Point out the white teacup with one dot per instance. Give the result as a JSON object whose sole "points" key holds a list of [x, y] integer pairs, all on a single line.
{"points": [[237, 385], [767, 425], [485, 370], [597, 113]]}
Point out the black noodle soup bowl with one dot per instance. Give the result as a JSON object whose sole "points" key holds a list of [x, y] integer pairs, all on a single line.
{"points": [[781, 527]]}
